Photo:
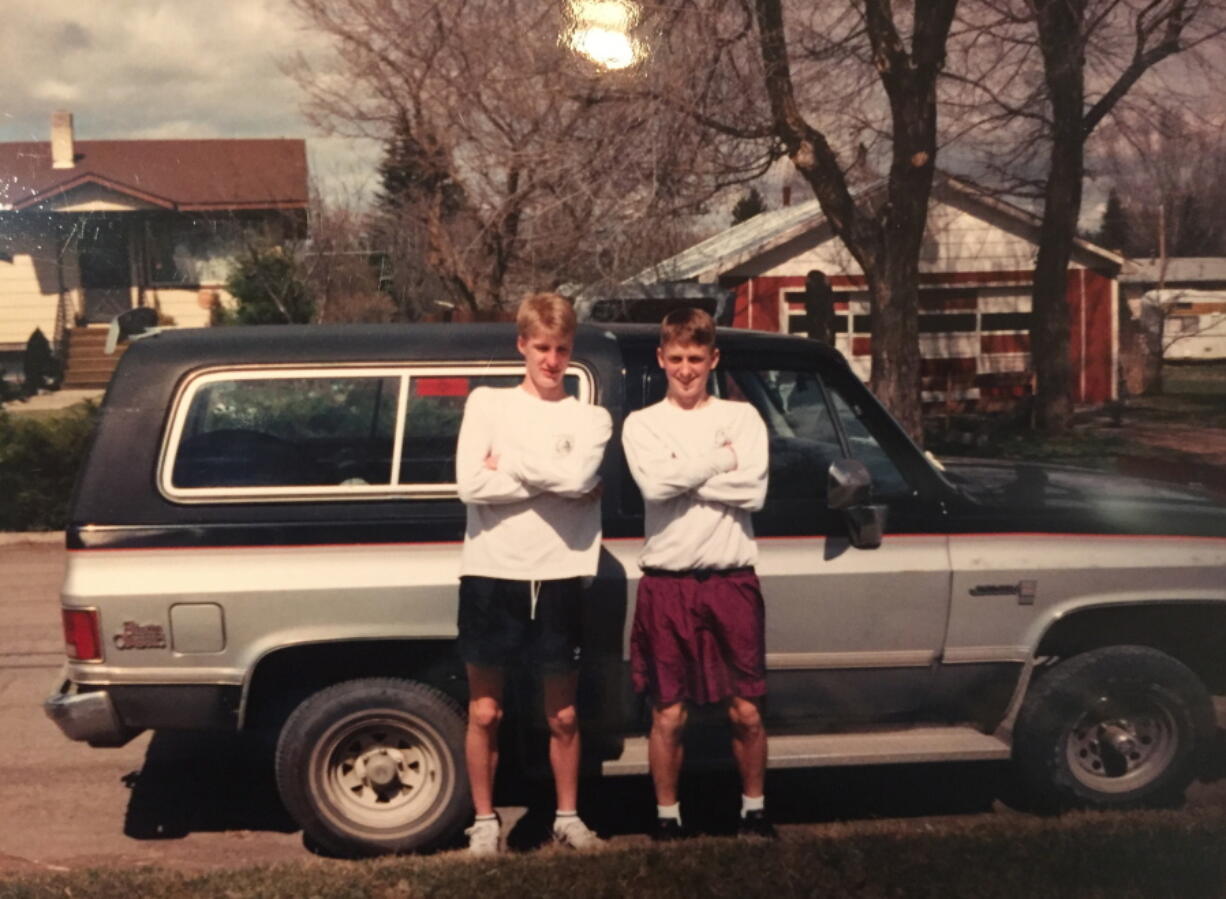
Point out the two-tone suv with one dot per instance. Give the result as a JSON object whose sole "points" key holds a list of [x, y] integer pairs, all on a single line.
{"points": [[266, 535]]}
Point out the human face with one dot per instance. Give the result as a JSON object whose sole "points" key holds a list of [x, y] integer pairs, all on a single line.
{"points": [[546, 354], [687, 366]]}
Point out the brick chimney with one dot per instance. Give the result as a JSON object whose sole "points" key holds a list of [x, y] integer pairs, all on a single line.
{"points": [[63, 152]]}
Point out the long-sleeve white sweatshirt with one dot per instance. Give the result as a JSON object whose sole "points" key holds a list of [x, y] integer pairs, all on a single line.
{"points": [[531, 518], [698, 505]]}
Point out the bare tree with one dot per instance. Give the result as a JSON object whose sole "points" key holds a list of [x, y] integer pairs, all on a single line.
{"points": [[1167, 169], [907, 54], [528, 167], [1062, 67]]}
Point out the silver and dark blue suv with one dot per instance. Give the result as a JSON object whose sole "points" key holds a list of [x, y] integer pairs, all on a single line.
{"points": [[265, 537]]}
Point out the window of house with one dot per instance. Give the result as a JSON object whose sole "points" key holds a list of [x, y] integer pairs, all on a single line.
{"points": [[188, 252]]}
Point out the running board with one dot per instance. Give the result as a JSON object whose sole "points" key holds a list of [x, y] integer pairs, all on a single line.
{"points": [[883, 747]]}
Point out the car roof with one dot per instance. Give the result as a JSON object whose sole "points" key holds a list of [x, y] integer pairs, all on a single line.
{"points": [[188, 348]]}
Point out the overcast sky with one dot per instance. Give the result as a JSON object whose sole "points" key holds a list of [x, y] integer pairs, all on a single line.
{"points": [[162, 68]]}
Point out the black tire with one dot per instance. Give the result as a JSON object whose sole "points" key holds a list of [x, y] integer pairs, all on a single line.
{"points": [[374, 766], [1120, 727]]}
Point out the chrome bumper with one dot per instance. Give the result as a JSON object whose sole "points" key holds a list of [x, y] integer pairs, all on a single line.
{"points": [[88, 717]]}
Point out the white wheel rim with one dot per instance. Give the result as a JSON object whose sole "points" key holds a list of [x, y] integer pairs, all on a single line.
{"points": [[386, 773]]}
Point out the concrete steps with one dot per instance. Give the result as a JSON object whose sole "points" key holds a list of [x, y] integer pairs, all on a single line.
{"points": [[88, 365], [877, 747]]}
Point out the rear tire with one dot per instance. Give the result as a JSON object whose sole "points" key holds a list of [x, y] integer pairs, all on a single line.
{"points": [[1119, 727], [374, 766]]}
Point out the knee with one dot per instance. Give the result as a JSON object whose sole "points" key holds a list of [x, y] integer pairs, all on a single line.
{"points": [[669, 720], [746, 717], [484, 714], [563, 722]]}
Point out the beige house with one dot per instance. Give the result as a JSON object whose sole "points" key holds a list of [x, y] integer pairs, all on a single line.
{"points": [[89, 229]]}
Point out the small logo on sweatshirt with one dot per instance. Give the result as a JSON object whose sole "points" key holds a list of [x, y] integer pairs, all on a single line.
{"points": [[565, 444]]}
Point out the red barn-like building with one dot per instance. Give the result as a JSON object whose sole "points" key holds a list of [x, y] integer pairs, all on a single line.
{"points": [[976, 275]]}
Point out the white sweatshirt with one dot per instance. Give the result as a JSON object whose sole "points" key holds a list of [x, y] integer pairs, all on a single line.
{"points": [[697, 505], [531, 519]]}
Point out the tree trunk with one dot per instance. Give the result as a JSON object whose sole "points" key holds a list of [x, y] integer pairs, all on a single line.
{"points": [[1060, 29], [886, 245]]}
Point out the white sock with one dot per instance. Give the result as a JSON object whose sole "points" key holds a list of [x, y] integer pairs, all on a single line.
{"points": [[752, 804], [481, 819], [561, 816], [669, 811]]}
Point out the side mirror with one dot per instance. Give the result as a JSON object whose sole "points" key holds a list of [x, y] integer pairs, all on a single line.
{"points": [[865, 526], [847, 484]]}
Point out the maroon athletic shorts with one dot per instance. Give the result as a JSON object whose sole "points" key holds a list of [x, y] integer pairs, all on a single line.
{"points": [[699, 636]]}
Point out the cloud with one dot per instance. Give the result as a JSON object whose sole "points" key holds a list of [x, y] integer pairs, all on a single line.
{"points": [[159, 68]]}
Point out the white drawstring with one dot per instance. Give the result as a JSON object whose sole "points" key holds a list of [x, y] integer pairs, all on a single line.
{"points": [[535, 590]]}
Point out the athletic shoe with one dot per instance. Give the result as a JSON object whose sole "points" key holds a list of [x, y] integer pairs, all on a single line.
{"points": [[484, 836], [756, 824], [574, 834], [667, 830]]}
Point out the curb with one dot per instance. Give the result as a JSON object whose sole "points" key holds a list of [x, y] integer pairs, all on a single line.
{"points": [[11, 538]]}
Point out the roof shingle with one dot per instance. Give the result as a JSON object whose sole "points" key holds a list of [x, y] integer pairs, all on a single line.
{"points": [[177, 174]]}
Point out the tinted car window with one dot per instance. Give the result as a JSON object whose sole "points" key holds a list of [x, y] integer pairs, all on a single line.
{"points": [[288, 432], [887, 480]]}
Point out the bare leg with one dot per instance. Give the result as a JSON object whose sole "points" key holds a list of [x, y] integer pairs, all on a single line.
{"points": [[665, 751], [564, 744], [748, 744], [481, 738]]}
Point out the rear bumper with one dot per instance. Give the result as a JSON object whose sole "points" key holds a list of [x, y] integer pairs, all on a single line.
{"points": [[88, 717]]}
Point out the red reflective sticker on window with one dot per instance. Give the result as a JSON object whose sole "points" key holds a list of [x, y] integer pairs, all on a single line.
{"points": [[440, 386]]}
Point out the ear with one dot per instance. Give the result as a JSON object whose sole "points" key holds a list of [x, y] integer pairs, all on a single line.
{"points": [[521, 344], [714, 356], [660, 356]]}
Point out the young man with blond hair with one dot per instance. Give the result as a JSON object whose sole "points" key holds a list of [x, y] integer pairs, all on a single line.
{"points": [[526, 464], [699, 622]]}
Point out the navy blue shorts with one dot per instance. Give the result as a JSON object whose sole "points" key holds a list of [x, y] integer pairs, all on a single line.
{"points": [[498, 628]]}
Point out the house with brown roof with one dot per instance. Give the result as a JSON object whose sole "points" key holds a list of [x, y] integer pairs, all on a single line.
{"points": [[91, 228]]}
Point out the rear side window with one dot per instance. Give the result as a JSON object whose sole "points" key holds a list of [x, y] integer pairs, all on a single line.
{"points": [[288, 432], [319, 434]]}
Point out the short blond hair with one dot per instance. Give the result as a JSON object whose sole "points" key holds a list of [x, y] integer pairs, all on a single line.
{"points": [[549, 312], [688, 325]]}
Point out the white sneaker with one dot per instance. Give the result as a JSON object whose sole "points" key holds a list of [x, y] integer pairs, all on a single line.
{"points": [[573, 833], [484, 836]]}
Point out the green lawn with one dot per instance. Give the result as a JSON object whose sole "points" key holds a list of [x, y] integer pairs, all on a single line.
{"points": [[1084, 855]]}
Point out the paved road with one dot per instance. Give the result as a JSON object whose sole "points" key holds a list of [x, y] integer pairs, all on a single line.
{"points": [[196, 802]]}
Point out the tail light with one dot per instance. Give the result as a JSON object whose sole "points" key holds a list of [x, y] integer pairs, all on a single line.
{"points": [[81, 640]]}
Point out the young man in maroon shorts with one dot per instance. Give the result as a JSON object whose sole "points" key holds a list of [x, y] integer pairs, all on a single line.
{"points": [[699, 622]]}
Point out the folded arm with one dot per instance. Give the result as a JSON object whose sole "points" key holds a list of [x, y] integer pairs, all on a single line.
{"points": [[478, 483], [745, 486], [572, 474], [660, 474]]}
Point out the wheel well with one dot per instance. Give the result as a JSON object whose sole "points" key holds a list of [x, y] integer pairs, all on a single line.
{"points": [[1194, 633], [285, 677]]}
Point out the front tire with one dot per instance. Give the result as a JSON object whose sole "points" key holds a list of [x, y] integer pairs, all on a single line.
{"points": [[1119, 727], [374, 766]]}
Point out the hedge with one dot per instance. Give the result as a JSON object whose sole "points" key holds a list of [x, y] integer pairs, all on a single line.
{"points": [[39, 459]]}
